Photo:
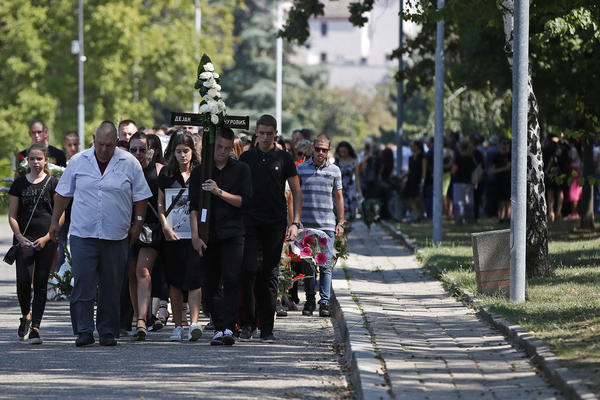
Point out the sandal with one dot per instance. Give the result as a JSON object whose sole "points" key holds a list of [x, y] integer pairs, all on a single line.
{"points": [[141, 332]]}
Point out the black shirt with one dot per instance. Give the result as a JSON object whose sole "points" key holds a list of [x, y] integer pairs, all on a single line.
{"points": [[152, 180], [270, 171], [55, 156], [28, 193], [225, 220], [465, 167]]}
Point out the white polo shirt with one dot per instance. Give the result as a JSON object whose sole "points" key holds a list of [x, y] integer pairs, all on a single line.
{"points": [[103, 203]]}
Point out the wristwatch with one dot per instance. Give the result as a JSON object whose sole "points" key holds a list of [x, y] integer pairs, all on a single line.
{"points": [[219, 192], [139, 218], [341, 223], [297, 225]]}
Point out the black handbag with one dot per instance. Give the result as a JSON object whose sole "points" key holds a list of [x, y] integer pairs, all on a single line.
{"points": [[152, 233], [11, 254]]}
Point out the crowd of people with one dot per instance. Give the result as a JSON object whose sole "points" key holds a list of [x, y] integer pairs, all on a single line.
{"points": [[115, 205], [476, 178]]}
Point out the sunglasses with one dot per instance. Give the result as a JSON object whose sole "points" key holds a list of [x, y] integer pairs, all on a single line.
{"points": [[321, 150], [138, 150]]}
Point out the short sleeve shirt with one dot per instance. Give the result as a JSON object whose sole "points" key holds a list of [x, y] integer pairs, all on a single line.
{"points": [[28, 194], [102, 203], [269, 171], [318, 185]]}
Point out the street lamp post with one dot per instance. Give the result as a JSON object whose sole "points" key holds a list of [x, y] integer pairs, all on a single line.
{"points": [[399, 105], [438, 130], [80, 60], [198, 26], [279, 67]]}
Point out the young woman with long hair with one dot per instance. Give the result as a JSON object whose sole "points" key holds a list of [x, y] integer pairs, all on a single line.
{"points": [[181, 260], [30, 212]]}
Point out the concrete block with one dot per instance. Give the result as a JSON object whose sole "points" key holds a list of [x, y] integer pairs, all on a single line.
{"points": [[491, 256]]}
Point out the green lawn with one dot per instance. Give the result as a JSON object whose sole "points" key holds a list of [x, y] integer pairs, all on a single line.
{"points": [[563, 309]]}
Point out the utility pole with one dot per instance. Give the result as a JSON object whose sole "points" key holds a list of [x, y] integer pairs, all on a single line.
{"points": [[399, 120], [518, 199], [198, 26], [438, 143], [279, 68], [80, 100]]}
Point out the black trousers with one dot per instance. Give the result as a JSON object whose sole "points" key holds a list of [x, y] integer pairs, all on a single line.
{"points": [[260, 281], [222, 263], [33, 265]]}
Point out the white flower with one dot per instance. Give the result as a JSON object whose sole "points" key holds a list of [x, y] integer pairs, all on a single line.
{"points": [[206, 75], [215, 75], [209, 67], [221, 105], [213, 93], [214, 118], [207, 84], [214, 108], [217, 86], [204, 108]]}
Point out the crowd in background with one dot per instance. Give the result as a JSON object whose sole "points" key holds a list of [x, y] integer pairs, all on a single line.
{"points": [[476, 180]]}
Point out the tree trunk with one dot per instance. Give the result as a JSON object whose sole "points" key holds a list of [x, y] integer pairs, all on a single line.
{"points": [[537, 222], [587, 197]]}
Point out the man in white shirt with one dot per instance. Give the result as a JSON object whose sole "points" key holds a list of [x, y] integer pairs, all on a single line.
{"points": [[104, 182]]}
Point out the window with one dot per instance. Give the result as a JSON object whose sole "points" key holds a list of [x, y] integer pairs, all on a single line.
{"points": [[323, 57], [323, 28]]}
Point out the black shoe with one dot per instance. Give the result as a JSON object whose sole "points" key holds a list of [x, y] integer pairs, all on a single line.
{"points": [[279, 310], [34, 337], [228, 339], [108, 340], [324, 310], [217, 340], [24, 328], [247, 333], [84, 339], [210, 326], [270, 338], [309, 308]]}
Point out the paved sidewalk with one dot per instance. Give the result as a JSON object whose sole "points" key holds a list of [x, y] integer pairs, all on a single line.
{"points": [[413, 341], [302, 364]]}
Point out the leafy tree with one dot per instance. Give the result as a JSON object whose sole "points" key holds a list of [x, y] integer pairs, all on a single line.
{"points": [[140, 61]]}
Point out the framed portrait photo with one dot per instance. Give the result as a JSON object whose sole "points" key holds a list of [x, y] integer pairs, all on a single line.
{"points": [[179, 217]]}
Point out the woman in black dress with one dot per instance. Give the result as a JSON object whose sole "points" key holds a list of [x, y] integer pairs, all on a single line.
{"points": [[144, 253], [417, 169]]}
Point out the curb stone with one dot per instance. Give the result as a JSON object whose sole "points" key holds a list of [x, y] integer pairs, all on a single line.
{"points": [[366, 372], [538, 351]]}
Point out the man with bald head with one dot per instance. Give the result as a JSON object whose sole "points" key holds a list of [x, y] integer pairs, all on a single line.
{"points": [[104, 182]]}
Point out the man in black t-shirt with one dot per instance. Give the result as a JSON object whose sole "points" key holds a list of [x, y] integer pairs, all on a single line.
{"points": [[39, 133], [265, 220]]}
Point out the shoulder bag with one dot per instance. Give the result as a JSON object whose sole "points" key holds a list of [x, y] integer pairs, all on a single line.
{"points": [[11, 254]]}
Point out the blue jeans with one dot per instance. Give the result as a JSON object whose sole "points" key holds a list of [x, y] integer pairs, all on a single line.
{"points": [[324, 280]]}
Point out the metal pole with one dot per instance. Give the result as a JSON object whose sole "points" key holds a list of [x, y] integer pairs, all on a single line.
{"points": [[519, 151], [438, 143], [198, 26], [399, 121], [279, 68], [80, 102]]}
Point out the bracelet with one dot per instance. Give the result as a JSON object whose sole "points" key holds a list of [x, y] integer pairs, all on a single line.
{"points": [[297, 224], [341, 224]]}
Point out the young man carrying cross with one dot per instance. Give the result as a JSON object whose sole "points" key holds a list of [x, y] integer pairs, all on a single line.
{"points": [[222, 255], [265, 220]]}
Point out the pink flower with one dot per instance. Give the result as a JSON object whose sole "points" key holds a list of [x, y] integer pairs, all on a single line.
{"points": [[322, 241], [307, 241], [306, 252], [320, 258]]}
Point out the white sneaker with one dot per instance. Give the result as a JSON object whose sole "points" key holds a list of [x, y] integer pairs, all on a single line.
{"points": [[195, 332], [177, 335]]}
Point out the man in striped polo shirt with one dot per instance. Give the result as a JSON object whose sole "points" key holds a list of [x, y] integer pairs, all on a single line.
{"points": [[320, 182]]}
